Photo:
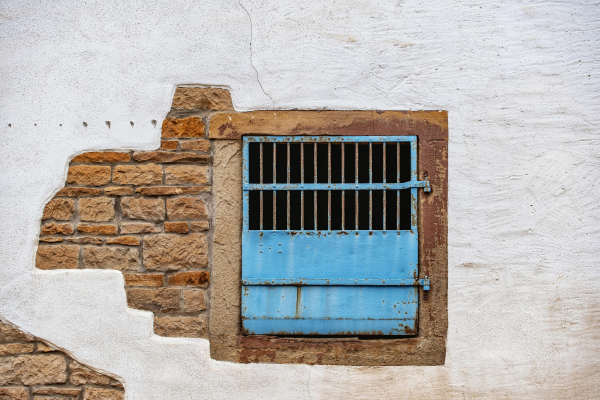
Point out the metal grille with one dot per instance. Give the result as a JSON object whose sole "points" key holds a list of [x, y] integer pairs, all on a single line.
{"points": [[307, 183]]}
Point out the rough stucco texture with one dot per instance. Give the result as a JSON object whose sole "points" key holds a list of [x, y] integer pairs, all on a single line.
{"points": [[521, 85]]}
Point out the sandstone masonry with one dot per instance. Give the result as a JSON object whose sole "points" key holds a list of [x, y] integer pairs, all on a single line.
{"points": [[33, 370]]}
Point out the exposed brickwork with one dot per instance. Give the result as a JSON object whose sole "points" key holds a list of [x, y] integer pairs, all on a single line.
{"points": [[32, 370], [144, 214]]}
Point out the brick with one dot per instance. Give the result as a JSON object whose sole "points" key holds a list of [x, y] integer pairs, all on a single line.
{"points": [[9, 333], [186, 174], [124, 240], [13, 393], [186, 208], [15, 348], [155, 280], [93, 393], [89, 175], [102, 157], [96, 209], [61, 391], [111, 258], [176, 227], [57, 257], [170, 252], [199, 226], [190, 278], [195, 98], [171, 157], [78, 191], [51, 240], [85, 240], [171, 190], [33, 369], [82, 375], [139, 227], [41, 347], [57, 229], [147, 174], [97, 229], [117, 191], [59, 209], [169, 144], [182, 128], [196, 145], [159, 300], [180, 326], [194, 300], [144, 209]]}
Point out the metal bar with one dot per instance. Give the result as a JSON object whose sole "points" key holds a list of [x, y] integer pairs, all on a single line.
{"points": [[274, 181], [288, 181], [333, 139], [315, 181], [261, 181], [356, 209], [302, 210], [261, 210], [398, 191], [337, 282], [356, 182], [343, 191], [336, 186], [302, 181], [302, 163], [370, 191], [385, 191], [329, 210]]}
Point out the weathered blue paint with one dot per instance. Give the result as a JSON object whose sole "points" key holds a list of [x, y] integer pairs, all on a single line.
{"points": [[361, 282]]}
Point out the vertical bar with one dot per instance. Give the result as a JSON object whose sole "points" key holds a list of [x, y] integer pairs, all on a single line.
{"points": [[301, 182], [245, 172], [397, 181], [288, 181], [370, 181], [343, 191], [384, 189], [261, 181], [329, 210], [413, 191], [315, 181], [356, 181], [274, 181], [329, 181]]}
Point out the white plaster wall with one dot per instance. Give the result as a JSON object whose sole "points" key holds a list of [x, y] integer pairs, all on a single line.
{"points": [[520, 81]]}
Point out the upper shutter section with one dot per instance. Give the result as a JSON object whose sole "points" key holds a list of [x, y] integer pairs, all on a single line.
{"points": [[330, 243]]}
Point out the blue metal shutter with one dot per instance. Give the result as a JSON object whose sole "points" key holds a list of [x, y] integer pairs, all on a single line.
{"points": [[328, 281]]}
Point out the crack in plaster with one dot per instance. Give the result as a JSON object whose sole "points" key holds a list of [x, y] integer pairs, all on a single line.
{"points": [[251, 60]]}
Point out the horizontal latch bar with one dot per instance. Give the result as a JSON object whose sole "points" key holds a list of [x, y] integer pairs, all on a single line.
{"points": [[338, 186], [337, 282]]}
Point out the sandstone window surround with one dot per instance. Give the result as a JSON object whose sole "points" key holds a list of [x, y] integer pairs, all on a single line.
{"points": [[226, 130]]}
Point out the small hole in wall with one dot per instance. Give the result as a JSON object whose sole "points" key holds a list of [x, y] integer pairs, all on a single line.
{"points": [[85, 124], [60, 125], [154, 122], [131, 122], [9, 125], [107, 124], [34, 124]]}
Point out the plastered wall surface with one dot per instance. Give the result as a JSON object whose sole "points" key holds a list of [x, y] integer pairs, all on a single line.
{"points": [[519, 80]]}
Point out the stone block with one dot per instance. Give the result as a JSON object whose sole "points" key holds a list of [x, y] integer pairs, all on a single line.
{"points": [[59, 391], [143, 209], [102, 157], [59, 209], [15, 348], [180, 326], [108, 230], [33, 369], [14, 393], [171, 190], [176, 227], [199, 226], [117, 258], [186, 208], [196, 145], [169, 145], [154, 280], [9, 334], [194, 300], [139, 227], [170, 157], [160, 300], [96, 209], [186, 174], [195, 98], [170, 252], [124, 240], [57, 257], [146, 174], [118, 191], [51, 239], [182, 128], [78, 191], [57, 229], [189, 278], [86, 240], [82, 375], [89, 175], [93, 393]]}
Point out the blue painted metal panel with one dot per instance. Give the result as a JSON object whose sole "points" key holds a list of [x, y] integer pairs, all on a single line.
{"points": [[331, 282], [329, 255]]}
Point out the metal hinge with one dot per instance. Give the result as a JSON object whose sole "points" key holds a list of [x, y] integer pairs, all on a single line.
{"points": [[425, 283], [422, 184]]}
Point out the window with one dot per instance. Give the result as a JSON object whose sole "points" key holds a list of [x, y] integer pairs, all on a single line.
{"points": [[330, 239]]}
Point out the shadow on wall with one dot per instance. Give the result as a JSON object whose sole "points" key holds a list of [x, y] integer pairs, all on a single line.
{"points": [[144, 214], [32, 368]]}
